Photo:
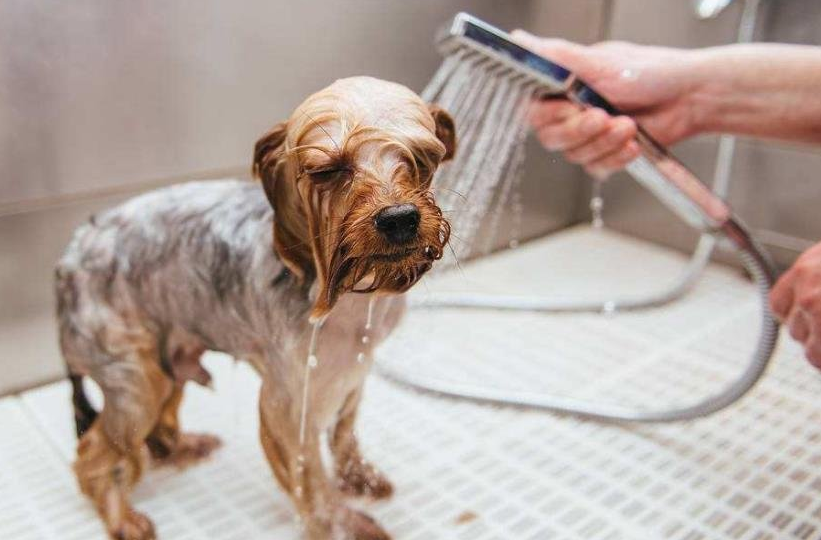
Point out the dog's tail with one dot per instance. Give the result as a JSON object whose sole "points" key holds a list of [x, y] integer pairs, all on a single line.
{"points": [[84, 413], [67, 301]]}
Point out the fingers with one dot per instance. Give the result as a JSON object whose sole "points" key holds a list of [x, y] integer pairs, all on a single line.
{"points": [[807, 330], [571, 55], [802, 315], [575, 130], [805, 327], [550, 112], [615, 161], [796, 299], [798, 325], [619, 131], [589, 137], [781, 296], [812, 350]]}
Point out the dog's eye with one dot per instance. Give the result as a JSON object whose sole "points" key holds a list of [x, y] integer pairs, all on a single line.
{"points": [[331, 174], [424, 169]]}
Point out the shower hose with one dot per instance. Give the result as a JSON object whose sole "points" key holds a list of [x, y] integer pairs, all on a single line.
{"points": [[751, 255]]}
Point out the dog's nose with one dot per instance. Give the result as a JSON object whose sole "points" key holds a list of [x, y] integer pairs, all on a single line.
{"points": [[398, 223]]}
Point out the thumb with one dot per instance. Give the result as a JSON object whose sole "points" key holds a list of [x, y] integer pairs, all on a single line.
{"points": [[571, 55]]}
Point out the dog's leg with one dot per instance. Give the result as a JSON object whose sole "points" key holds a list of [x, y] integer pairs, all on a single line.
{"points": [[168, 445], [299, 470], [355, 475], [109, 455]]}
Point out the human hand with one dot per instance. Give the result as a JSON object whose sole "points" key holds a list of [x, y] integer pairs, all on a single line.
{"points": [[652, 84], [796, 300]]}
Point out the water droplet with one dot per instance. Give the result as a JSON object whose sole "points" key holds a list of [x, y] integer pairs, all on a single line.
{"points": [[365, 340], [369, 320], [628, 74], [609, 307], [360, 357], [298, 492], [313, 361], [596, 204], [513, 244]]}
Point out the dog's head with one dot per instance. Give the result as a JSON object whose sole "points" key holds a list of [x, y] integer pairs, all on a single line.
{"points": [[349, 175]]}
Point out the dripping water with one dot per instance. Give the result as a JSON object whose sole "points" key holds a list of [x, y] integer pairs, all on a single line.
{"points": [[311, 363], [369, 319], [597, 205], [366, 338]]}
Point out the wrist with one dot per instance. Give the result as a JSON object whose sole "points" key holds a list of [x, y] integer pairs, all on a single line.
{"points": [[704, 99]]}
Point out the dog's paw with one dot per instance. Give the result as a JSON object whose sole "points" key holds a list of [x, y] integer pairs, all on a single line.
{"points": [[355, 525], [189, 449], [134, 526], [361, 479]]}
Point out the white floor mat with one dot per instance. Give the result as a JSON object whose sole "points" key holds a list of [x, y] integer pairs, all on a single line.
{"points": [[465, 471]]}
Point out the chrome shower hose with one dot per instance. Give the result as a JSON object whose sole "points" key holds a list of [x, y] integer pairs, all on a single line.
{"points": [[755, 262]]}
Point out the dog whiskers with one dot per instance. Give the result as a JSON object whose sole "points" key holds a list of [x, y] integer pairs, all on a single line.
{"points": [[457, 193]]}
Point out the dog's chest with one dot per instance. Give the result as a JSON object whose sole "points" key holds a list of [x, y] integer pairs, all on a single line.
{"points": [[356, 325], [346, 342]]}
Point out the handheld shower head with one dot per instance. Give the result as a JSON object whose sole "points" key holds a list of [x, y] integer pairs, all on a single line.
{"points": [[655, 168]]}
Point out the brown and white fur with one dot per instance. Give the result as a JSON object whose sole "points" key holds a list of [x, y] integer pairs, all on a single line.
{"points": [[144, 288]]}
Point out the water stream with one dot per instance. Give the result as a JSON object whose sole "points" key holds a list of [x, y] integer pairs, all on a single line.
{"points": [[480, 187], [311, 363]]}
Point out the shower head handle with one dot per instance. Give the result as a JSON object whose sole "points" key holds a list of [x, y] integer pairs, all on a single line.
{"points": [[658, 170]]}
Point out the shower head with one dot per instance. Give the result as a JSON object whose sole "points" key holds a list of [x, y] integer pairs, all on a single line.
{"points": [[655, 168]]}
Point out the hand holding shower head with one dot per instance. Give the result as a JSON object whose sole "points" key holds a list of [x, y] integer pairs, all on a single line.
{"points": [[656, 168]]}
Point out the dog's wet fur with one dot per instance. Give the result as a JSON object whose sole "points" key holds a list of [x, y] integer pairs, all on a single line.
{"points": [[145, 288]]}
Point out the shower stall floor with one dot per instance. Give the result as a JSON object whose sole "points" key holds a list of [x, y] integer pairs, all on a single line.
{"points": [[468, 471]]}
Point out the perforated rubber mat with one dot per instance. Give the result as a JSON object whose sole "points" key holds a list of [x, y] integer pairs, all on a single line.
{"points": [[466, 471]]}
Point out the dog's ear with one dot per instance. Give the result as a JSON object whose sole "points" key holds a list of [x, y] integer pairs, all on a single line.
{"points": [[267, 152], [445, 130], [290, 228]]}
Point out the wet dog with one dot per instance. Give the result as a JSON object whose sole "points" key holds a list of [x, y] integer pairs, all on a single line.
{"points": [[343, 206]]}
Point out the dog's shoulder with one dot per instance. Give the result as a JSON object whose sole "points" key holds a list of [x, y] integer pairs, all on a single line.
{"points": [[163, 223], [180, 202]]}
